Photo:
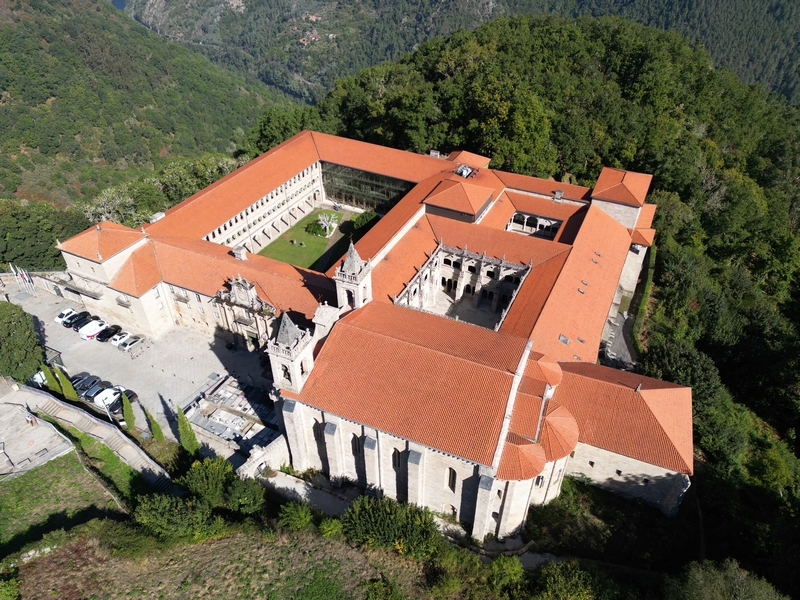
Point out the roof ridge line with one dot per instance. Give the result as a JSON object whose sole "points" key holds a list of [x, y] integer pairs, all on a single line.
{"points": [[510, 401]]}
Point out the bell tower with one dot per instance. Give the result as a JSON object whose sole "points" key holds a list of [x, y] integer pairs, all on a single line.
{"points": [[291, 355], [353, 280]]}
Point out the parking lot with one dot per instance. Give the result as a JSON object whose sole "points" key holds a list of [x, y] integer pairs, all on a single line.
{"points": [[171, 369]]}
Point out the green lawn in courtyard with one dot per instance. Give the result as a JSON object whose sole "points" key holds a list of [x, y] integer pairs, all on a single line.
{"points": [[283, 250]]}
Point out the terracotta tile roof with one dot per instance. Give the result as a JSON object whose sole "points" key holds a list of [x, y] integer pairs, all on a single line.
{"points": [[526, 183], [543, 207], [569, 229], [139, 274], [544, 368], [626, 187], [597, 257], [521, 459], [378, 159], [559, 435], [196, 216], [532, 296], [204, 267], [516, 248], [476, 161], [499, 214], [390, 275], [460, 196], [653, 425], [102, 241], [394, 369], [646, 214], [643, 237], [525, 416]]}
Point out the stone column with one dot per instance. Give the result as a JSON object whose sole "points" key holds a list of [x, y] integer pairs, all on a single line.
{"points": [[371, 462], [295, 435], [416, 477], [482, 525], [333, 448]]}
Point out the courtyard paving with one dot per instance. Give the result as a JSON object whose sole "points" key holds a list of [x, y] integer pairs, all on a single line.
{"points": [[174, 366]]}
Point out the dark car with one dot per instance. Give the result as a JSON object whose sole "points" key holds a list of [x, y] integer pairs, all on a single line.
{"points": [[108, 333], [89, 396], [70, 320], [76, 380], [76, 326], [131, 395], [87, 384]]}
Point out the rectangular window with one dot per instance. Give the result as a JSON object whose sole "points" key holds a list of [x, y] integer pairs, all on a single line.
{"points": [[200, 308], [619, 473], [539, 482], [158, 293], [563, 339], [591, 463], [451, 479], [198, 297], [171, 289], [216, 314]]}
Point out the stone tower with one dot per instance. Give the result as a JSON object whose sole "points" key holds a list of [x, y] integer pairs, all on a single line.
{"points": [[353, 280], [291, 355]]}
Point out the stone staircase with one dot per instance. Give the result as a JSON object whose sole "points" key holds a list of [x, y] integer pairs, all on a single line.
{"points": [[110, 435]]}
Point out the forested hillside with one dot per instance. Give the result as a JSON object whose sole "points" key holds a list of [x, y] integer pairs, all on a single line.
{"points": [[89, 98], [562, 98], [302, 47]]}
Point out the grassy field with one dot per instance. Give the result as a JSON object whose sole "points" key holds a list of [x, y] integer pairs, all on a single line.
{"points": [[300, 566], [59, 494], [283, 250]]}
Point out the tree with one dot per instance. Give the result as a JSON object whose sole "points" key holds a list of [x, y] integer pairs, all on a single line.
{"points": [[568, 580], [155, 428], [67, 388], [208, 480], [186, 434], [506, 574], [295, 516], [20, 352], [245, 496], [711, 581], [170, 517], [50, 380], [127, 412]]}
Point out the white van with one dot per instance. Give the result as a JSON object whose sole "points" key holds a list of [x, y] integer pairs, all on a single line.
{"points": [[91, 329]]}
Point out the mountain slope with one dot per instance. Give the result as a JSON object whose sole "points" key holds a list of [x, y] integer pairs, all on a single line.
{"points": [[89, 98], [289, 44]]}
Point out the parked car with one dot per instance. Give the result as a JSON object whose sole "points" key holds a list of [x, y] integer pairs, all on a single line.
{"points": [[115, 408], [96, 391], [120, 337], [78, 377], [70, 320], [109, 396], [87, 384], [130, 343], [67, 312], [78, 325], [108, 333], [91, 329]]}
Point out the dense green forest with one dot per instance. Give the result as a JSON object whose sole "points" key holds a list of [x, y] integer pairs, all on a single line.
{"points": [[555, 97], [89, 98], [285, 45]]}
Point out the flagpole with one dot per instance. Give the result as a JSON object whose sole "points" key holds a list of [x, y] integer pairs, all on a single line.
{"points": [[16, 276]]}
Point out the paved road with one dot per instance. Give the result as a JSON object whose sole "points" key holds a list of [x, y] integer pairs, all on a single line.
{"points": [[177, 363]]}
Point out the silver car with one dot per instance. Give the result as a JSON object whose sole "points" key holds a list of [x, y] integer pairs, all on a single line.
{"points": [[130, 343]]}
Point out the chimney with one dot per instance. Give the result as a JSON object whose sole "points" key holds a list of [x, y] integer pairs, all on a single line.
{"points": [[559, 195], [638, 388], [240, 252]]}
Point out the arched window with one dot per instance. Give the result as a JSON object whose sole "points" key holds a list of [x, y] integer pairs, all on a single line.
{"points": [[451, 479], [355, 444], [448, 262], [395, 459]]}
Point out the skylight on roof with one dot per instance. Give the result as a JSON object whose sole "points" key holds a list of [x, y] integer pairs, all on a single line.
{"points": [[464, 171]]}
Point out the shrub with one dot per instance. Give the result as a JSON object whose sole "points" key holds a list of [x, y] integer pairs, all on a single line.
{"points": [[364, 219], [67, 388], [245, 496], [9, 590], [315, 228], [172, 518], [50, 380], [295, 516], [330, 528], [505, 576], [186, 434], [405, 528], [209, 480], [155, 428], [127, 413]]}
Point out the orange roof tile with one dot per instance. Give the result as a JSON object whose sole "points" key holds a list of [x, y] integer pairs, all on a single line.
{"points": [[597, 257], [196, 216], [204, 267], [653, 425], [378, 159], [626, 187], [526, 183], [544, 207], [559, 434], [500, 213], [393, 368], [459, 197], [102, 241], [643, 237], [544, 368], [525, 416], [646, 214], [475, 161], [521, 459]]}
